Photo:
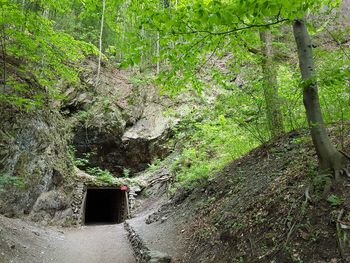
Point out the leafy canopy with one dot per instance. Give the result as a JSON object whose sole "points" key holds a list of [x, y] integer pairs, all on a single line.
{"points": [[33, 47], [191, 30]]}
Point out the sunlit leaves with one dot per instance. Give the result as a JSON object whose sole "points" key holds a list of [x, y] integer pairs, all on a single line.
{"points": [[188, 29], [48, 54]]}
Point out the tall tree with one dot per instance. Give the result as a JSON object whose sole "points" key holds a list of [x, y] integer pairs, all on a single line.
{"points": [[100, 40], [330, 159], [270, 86], [198, 28], [3, 49], [164, 4]]}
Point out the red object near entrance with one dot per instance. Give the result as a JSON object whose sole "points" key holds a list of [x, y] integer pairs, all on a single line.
{"points": [[123, 188]]}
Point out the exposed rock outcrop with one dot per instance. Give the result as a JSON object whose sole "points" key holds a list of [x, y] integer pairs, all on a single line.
{"points": [[52, 206], [120, 123], [33, 153]]}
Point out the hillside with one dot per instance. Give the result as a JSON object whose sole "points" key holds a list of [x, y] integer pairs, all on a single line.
{"points": [[264, 207], [174, 131]]}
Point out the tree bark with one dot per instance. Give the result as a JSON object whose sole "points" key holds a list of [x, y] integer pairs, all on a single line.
{"points": [[270, 86], [158, 52], [100, 41], [3, 50], [330, 159]]}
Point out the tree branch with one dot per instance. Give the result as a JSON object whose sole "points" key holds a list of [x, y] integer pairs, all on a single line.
{"points": [[211, 55], [232, 30]]}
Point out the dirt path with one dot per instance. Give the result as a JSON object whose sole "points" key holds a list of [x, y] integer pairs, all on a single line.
{"points": [[93, 244], [22, 241]]}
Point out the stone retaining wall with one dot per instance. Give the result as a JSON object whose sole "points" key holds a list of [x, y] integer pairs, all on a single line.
{"points": [[78, 202], [142, 253]]}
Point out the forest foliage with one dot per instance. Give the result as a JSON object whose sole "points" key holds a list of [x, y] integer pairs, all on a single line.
{"points": [[184, 45]]}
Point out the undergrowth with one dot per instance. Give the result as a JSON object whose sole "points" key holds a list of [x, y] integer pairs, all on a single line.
{"points": [[208, 140], [213, 144], [102, 175], [7, 180]]}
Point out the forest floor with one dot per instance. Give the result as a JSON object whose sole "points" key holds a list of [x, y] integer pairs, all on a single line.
{"points": [[22, 241]]}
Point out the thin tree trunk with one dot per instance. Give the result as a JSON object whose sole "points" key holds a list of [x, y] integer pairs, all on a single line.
{"points": [[3, 50], [118, 9], [158, 53], [330, 159], [273, 106], [143, 56], [165, 4], [100, 41]]}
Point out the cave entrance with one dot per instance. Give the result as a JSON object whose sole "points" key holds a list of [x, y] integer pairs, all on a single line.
{"points": [[105, 206]]}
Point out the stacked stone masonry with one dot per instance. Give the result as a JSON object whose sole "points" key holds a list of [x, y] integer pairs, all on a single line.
{"points": [[142, 253], [78, 202]]}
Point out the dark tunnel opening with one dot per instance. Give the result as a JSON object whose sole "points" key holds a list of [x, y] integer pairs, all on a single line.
{"points": [[105, 206]]}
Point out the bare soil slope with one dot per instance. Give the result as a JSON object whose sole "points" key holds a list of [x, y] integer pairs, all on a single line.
{"points": [[267, 207]]}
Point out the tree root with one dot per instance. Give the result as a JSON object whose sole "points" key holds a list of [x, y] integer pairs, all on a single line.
{"points": [[347, 156], [329, 183], [307, 196], [340, 237], [290, 232], [252, 247], [345, 172]]}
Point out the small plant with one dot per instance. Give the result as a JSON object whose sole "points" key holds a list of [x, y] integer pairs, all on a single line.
{"points": [[126, 172], [79, 161], [301, 140], [334, 200], [102, 175], [7, 180], [154, 165]]}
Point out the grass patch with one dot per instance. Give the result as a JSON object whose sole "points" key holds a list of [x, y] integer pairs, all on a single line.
{"points": [[209, 146]]}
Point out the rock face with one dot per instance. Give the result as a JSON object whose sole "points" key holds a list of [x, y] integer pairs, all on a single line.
{"points": [[122, 125], [52, 206], [121, 122], [33, 153]]}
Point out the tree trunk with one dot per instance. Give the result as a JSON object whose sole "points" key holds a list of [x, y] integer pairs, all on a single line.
{"points": [[164, 4], [100, 41], [3, 50], [330, 159], [158, 52], [273, 109]]}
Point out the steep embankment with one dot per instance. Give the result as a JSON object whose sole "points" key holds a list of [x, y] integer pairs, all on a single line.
{"points": [[263, 207]]}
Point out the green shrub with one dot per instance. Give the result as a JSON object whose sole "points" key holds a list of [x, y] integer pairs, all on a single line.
{"points": [[334, 200], [126, 172], [7, 181], [102, 175], [209, 146]]}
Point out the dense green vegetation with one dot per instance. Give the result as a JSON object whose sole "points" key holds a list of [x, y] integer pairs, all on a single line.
{"points": [[30, 42], [244, 50]]}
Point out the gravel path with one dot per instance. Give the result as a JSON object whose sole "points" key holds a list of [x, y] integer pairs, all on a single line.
{"points": [[26, 242], [93, 244]]}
